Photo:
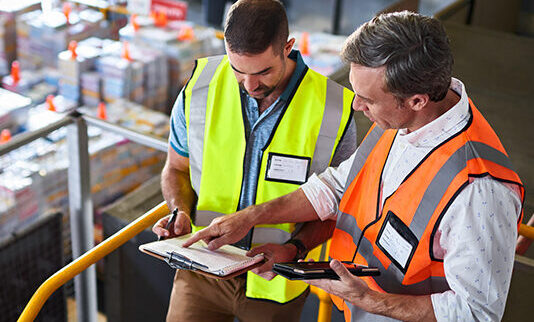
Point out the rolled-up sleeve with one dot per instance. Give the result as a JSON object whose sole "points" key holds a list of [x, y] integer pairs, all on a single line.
{"points": [[324, 191], [178, 133]]}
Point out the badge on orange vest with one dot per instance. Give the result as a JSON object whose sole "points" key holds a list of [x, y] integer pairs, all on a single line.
{"points": [[287, 168], [397, 241]]}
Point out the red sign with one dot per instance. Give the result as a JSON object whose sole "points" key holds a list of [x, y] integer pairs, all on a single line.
{"points": [[174, 10]]}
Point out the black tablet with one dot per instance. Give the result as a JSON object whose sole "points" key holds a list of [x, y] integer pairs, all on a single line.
{"points": [[318, 270]]}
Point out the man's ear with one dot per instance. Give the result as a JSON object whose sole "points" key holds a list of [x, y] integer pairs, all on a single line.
{"points": [[289, 46], [417, 102]]}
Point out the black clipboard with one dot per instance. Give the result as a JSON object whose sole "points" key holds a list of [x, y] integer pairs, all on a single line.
{"points": [[319, 270]]}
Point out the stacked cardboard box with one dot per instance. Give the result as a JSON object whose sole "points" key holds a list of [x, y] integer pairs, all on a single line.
{"points": [[121, 78], [33, 84], [181, 42], [14, 110], [140, 75], [9, 10], [72, 65], [34, 178], [155, 79], [91, 88], [41, 37], [321, 51], [21, 184]]}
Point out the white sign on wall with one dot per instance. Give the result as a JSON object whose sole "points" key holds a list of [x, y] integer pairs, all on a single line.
{"points": [[140, 7]]}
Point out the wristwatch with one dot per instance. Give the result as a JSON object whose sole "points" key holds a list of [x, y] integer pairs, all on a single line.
{"points": [[302, 251]]}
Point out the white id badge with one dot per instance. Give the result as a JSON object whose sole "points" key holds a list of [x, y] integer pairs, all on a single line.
{"points": [[397, 241], [287, 168]]}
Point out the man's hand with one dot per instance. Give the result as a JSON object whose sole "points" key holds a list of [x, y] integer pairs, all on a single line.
{"points": [[228, 229], [350, 288], [273, 253], [523, 243], [354, 290], [223, 230], [181, 226]]}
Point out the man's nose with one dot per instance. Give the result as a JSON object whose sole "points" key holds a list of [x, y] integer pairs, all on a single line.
{"points": [[358, 104], [250, 83]]}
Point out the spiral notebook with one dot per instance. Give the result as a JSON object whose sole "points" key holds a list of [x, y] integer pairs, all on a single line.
{"points": [[226, 261]]}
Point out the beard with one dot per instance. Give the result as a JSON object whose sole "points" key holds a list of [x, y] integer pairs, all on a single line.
{"points": [[265, 91]]}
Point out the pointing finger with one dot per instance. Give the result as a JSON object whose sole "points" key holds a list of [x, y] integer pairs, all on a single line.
{"points": [[218, 242], [255, 251], [196, 237]]}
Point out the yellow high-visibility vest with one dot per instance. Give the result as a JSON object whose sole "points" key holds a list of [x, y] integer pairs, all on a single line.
{"points": [[308, 132]]}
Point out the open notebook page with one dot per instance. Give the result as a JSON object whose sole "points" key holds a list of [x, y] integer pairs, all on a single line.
{"points": [[223, 261]]}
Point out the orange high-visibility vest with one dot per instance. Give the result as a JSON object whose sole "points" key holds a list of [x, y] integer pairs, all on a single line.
{"points": [[415, 209]]}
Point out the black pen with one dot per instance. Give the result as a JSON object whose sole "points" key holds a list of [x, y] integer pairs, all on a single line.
{"points": [[169, 223], [183, 262]]}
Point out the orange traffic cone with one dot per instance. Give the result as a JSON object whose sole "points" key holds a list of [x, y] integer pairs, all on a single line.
{"points": [[161, 19], [15, 72], [186, 33], [73, 44], [126, 51], [133, 21], [5, 136], [66, 10], [50, 103], [304, 44], [101, 111]]}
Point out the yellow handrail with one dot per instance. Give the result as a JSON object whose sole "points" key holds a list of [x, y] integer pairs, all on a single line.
{"points": [[527, 231], [325, 304], [90, 257], [107, 246]]}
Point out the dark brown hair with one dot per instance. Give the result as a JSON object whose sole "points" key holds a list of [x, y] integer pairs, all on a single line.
{"points": [[253, 25], [414, 49]]}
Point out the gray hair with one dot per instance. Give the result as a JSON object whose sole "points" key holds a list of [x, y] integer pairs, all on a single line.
{"points": [[414, 49]]}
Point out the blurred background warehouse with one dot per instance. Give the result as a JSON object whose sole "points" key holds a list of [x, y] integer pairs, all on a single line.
{"points": [[121, 64]]}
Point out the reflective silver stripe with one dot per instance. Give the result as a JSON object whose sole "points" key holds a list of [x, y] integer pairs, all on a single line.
{"points": [[322, 255], [345, 222], [205, 217], [441, 182], [261, 235], [390, 279], [348, 224], [197, 119], [362, 153], [330, 124]]}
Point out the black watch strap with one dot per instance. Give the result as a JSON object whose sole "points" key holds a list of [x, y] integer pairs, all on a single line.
{"points": [[302, 251]]}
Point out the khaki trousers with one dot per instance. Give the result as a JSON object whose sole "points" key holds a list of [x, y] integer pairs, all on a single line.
{"points": [[196, 298]]}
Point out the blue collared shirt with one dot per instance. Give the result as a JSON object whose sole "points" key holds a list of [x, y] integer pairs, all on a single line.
{"points": [[258, 129]]}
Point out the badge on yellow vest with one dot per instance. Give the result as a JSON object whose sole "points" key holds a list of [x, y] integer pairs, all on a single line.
{"points": [[287, 168]]}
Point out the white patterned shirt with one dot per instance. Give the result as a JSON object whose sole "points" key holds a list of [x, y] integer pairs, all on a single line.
{"points": [[477, 234]]}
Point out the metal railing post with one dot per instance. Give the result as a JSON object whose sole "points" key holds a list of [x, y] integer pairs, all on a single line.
{"points": [[81, 217]]}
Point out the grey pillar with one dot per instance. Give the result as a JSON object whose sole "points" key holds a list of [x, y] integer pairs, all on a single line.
{"points": [[81, 217]]}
